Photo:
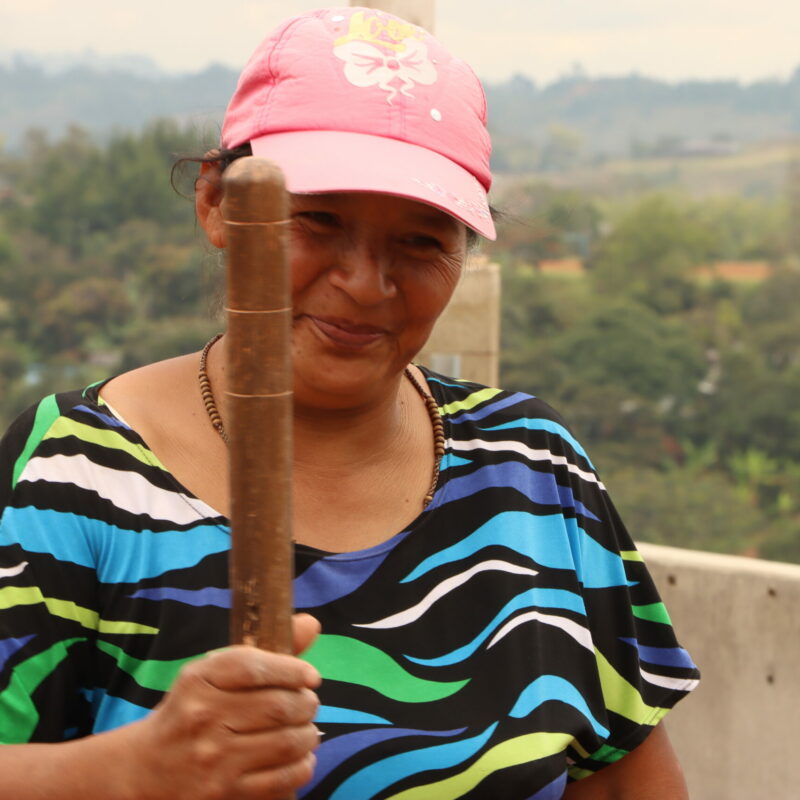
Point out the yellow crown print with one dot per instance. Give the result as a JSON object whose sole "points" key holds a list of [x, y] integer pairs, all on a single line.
{"points": [[374, 28]]}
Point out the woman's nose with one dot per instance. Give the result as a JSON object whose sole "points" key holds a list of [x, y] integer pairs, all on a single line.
{"points": [[364, 273]]}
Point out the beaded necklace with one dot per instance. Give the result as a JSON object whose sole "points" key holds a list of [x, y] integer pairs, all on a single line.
{"points": [[430, 404]]}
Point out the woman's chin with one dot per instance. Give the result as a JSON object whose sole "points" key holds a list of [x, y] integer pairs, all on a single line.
{"points": [[351, 384]]}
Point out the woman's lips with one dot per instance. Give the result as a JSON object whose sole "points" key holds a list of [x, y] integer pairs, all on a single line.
{"points": [[345, 332]]}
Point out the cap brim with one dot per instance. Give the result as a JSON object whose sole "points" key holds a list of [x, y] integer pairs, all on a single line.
{"points": [[341, 161]]}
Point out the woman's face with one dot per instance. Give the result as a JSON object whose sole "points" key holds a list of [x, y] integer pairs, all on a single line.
{"points": [[370, 275]]}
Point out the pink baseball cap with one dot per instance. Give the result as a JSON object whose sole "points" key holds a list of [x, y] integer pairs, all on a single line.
{"points": [[355, 99]]}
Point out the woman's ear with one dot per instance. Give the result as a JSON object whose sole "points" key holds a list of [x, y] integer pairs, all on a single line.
{"points": [[207, 200]]}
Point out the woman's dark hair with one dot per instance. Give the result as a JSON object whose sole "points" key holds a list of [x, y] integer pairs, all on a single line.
{"points": [[219, 155], [226, 156]]}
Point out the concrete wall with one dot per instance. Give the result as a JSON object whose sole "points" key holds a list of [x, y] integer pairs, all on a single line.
{"points": [[469, 328], [737, 734]]}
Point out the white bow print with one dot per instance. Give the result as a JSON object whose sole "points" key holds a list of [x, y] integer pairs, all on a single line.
{"points": [[366, 65]]}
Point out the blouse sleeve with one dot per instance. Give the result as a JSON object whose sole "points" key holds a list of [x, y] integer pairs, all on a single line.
{"points": [[640, 669], [47, 607]]}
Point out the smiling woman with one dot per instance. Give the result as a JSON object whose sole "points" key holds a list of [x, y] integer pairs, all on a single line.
{"points": [[489, 629]]}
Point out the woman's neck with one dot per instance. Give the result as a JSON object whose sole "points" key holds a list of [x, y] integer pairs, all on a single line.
{"points": [[341, 437], [357, 436]]}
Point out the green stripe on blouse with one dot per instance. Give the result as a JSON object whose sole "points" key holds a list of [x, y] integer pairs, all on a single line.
{"points": [[47, 412], [622, 697], [653, 612], [103, 438], [511, 753], [20, 715], [11, 596], [340, 658], [149, 673], [469, 402]]}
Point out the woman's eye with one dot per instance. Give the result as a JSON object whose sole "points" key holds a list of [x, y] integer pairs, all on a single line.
{"points": [[423, 242], [318, 220]]}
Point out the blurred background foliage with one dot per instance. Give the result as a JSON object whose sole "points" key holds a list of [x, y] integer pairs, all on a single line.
{"points": [[682, 381]]}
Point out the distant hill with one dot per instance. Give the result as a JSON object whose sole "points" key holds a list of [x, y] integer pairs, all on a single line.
{"points": [[54, 63], [640, 116], [102, 100], [576, 119]]}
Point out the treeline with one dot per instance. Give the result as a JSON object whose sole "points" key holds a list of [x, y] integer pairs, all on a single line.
{"points": [[684, 389], [101, 266]]}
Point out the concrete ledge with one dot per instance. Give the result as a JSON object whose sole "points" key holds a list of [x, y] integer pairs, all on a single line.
{"points": [[740, 619], [678, 557]]}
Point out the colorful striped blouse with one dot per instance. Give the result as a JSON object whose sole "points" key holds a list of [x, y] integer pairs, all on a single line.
{"points": [[508, 641]]}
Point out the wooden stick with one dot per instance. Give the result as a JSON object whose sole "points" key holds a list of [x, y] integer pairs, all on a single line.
{"points": [[258, 404]]}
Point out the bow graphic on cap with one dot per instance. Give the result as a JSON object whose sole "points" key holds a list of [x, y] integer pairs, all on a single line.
{"points": [[366, 65]]}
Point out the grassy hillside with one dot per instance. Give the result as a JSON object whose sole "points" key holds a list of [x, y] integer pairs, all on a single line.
{"points": [[756, 170]]}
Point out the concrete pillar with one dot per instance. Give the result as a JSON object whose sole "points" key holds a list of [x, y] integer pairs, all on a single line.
{"points": [[420, 12], [466, 340]]}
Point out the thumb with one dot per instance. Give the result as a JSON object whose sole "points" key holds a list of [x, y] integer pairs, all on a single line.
{"points": [[306, 629]]}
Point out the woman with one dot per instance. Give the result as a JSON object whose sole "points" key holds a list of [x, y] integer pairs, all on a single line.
{"points": [[489, 629]]}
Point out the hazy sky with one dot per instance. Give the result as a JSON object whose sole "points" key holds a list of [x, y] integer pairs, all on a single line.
{"points": [[673, 39]]}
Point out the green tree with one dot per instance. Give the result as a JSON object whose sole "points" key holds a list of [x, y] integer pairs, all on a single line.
{"points": [[743, 228], [562, 148], [650, 254], [85, 308], [681, 508], [544, 221]]}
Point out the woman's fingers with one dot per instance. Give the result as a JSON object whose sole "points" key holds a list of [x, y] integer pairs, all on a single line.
{"points": [[277, 783], [242, 690], [258, 710], [242, 667], [227, 758], [237, 723], [267, 750], [306, 629]]}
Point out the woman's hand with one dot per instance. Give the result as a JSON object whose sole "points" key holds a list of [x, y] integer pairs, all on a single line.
{"points": [[235, 725]]}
